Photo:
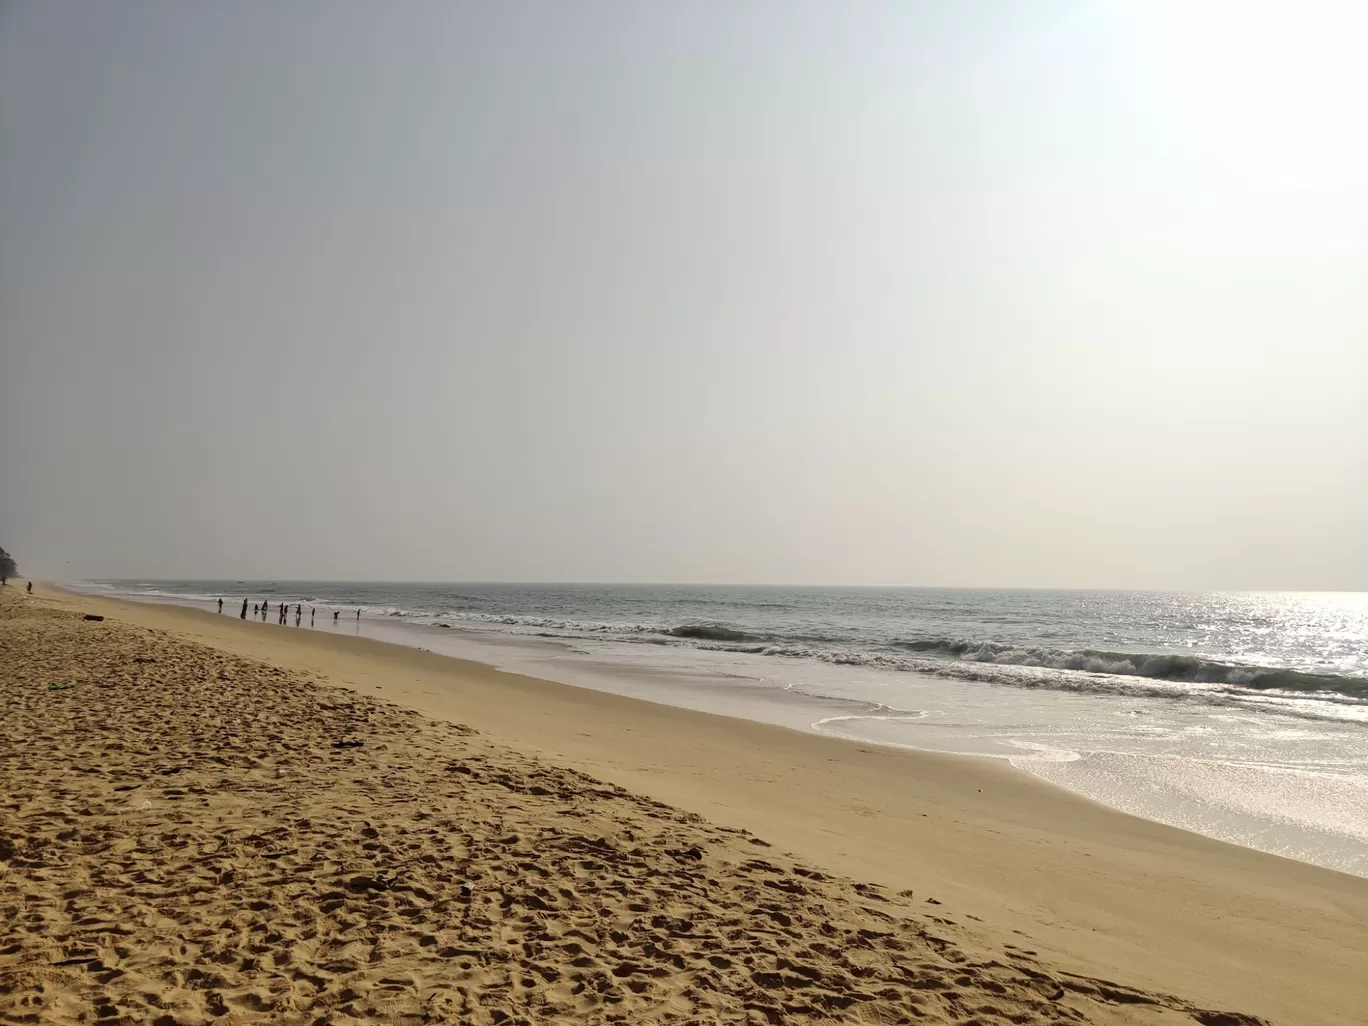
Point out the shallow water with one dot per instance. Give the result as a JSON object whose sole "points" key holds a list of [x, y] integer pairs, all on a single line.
{"points": [[1242, 717]]}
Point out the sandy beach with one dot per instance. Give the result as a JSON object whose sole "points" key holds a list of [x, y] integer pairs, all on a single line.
{"points": [[211, 820]]}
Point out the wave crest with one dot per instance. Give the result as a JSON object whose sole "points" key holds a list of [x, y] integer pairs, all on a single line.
{"points": [[709, 632], [1179, 668]]}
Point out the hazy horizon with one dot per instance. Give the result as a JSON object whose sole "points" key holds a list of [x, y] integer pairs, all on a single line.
{"points": [[800, 585], [1063, 295]]}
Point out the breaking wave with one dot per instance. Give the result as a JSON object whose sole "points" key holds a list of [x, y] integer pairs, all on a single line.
{"points": [[709, 632], [1186, 669]]}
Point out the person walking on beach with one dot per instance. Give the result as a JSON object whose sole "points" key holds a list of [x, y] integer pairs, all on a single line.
{"points": [[335, 612], [298, 615], [313, 611], [30, 587], [220, 607], [358, 616], [244, 609]]}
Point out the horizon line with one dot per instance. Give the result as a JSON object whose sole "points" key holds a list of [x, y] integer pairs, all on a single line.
{"points": [[715, 584]]}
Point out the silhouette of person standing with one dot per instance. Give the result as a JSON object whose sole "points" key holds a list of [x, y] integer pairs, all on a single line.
{"points": [[29, 589], [220, 607], [335, 612], [244, 609]]}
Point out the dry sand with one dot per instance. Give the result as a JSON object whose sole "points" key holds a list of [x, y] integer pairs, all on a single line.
{"points": [[183, 840]]}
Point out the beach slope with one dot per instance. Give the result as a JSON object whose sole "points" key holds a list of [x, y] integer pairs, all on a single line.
{"points": [[206, 819]]}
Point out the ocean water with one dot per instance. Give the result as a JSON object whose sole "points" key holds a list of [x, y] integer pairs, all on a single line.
{"points": [[1243, 716]]}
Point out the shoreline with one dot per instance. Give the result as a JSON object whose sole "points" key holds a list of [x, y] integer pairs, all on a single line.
{"points": [[1214, 797], [1095, 890]]}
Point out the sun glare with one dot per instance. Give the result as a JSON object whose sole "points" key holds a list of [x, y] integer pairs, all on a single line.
{"points": [[1269, 90]]}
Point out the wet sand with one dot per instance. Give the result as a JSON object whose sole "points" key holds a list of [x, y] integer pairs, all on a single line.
{"points": [[190, 832]]}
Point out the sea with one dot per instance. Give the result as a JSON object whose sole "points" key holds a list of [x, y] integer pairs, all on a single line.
{"points": [[1241, 716]]}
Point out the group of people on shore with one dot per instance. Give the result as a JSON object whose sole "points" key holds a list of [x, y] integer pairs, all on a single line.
{"points": [[263, 609]]}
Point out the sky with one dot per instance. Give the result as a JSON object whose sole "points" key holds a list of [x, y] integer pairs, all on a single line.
{"points": [[1061, 293]]}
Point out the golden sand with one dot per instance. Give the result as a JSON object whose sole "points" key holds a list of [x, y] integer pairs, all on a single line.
{"points": [[210, 820]]}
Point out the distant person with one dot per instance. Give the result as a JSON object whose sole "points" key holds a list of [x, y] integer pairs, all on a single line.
{"points": [[358, 616], [298, 614], [30, 587], [244, 609], [256, 608], [220, 607], [313, 610], [335, 614]]}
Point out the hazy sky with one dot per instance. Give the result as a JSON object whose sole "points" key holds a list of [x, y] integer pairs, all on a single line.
{"points": [[1059, 292]]}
